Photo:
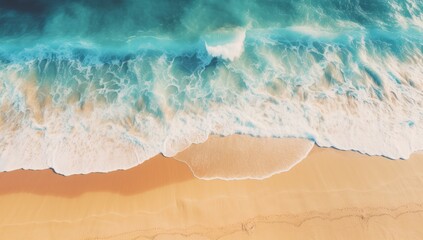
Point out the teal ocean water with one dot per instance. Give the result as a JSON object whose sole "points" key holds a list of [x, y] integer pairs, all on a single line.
{"points": [[95, 86]]}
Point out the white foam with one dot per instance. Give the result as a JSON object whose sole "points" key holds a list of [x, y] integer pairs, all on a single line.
{"points": [[285, 95], [229, 50], [414, 17]]}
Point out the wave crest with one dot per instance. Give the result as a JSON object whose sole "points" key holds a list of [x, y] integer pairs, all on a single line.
{"points": [[228, 50]]}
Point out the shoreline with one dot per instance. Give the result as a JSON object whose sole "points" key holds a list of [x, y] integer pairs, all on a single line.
{"points": [[330, 194], [297, 149]]}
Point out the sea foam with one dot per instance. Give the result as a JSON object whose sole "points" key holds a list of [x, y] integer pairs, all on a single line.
{"points": [[111, 92], [230, 49]]}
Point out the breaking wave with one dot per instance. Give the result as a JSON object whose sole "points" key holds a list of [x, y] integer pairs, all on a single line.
{"points": [[83, 89]]}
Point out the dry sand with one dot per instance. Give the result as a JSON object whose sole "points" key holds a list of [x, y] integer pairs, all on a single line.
{"points": [[331, 194]]}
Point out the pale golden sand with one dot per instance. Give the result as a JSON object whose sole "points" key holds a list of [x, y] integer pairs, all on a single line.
{"points": [[329, 195]]}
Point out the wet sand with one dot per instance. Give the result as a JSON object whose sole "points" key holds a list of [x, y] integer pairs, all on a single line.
{"points": [[331, 194]]}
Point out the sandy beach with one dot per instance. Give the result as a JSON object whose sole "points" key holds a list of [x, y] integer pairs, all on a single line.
{"points": [[331, 194], [211, 120]]}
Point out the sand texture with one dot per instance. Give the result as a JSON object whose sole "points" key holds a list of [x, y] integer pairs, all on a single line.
{"points": [[331, 194]]}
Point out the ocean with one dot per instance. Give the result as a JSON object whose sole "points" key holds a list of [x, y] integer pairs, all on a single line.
{"points": [[96, 86]]}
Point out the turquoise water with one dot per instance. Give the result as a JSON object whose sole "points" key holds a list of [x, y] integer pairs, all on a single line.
{"points": [[104, 85]]}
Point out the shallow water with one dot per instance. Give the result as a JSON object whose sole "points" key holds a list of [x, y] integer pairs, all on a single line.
{"points": [[104, 85]]}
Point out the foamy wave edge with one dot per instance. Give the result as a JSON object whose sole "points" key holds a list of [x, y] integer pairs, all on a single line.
{"points": [[123, 159], [374, 112]]}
